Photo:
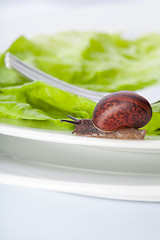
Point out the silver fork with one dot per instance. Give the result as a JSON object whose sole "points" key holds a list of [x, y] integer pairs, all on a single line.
{"points": [[152, 94]]}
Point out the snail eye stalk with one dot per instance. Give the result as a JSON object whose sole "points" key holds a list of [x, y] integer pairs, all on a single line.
{"points": [[76, 121]]}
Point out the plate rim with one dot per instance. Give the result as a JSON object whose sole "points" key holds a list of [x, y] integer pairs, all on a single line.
{"points": [[59, 137], [140, 193]]}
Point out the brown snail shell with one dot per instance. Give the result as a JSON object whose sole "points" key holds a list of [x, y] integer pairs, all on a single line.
{"points": [[122, 109]]}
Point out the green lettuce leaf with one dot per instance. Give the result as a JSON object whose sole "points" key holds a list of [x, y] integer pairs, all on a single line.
{"points": [[153, 127], [39, 105], [96, 61]]}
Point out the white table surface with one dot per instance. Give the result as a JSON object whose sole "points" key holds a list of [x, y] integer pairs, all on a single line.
{"points": [[37, 215]]}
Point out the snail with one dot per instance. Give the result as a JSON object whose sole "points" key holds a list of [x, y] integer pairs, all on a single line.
{"points": [[117, 115]]}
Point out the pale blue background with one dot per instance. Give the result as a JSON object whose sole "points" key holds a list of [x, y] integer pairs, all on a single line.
{"points": [[30, 214], [71, 2]]}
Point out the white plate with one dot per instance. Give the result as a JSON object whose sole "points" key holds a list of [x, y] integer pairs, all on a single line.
{"points": [[95, 167], [59, 161]]}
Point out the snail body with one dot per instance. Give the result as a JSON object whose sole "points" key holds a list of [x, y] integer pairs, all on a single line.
{"points": [[117, 115]]}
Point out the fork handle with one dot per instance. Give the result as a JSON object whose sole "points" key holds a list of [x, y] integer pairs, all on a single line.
{"points": [[35, 74], [151, 93]]}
